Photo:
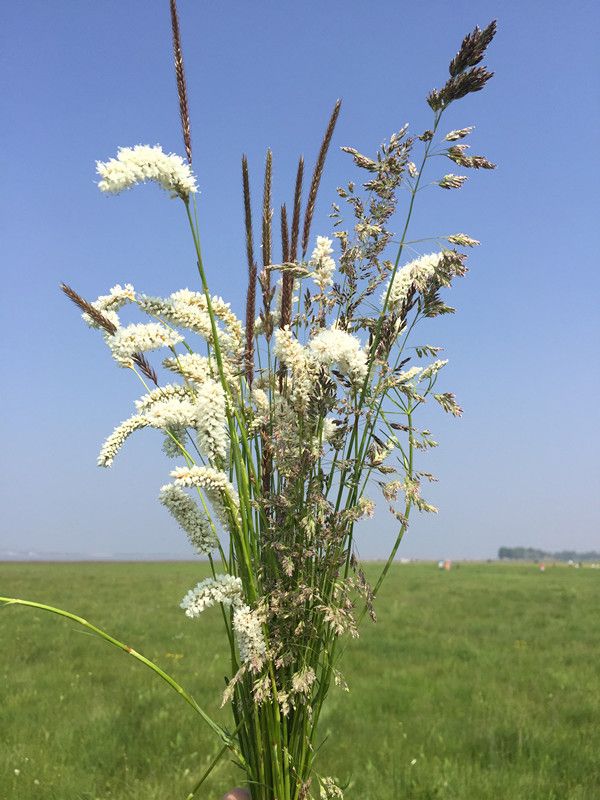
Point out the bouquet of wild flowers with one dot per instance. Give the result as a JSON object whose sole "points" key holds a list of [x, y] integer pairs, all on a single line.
{"points": [[285, 426]]}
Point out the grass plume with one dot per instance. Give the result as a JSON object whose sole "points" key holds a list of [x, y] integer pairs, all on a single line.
{"points": [[184, 112], [316, 178]]}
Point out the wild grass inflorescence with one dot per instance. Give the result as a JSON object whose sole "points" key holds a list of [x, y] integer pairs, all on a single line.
{"points": [[284, 427]]}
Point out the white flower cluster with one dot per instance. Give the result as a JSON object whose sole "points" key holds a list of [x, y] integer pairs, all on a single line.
{"points": [[417, 273], [139, 338], [225, 589], [185, 309], [432, 369], [170, 390], [217, 488], [172, 412], [211, 419], [192, 366], [144, 163], [329, 429], [333, 347], [322, 263], [215, 483], [191, 518], [110, 303], [291, 353], [203, 409], [117, 439], [329, 790], [248, 634], [247, 624]]}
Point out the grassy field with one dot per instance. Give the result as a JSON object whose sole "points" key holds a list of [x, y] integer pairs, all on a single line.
{"points": [[478, 684]]}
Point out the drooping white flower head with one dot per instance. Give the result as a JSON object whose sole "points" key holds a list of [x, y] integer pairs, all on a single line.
{"points": [[139, 338], [225, 589], [334, 347], [144, 163], [117, 439], [217, 487], [192, 519]]}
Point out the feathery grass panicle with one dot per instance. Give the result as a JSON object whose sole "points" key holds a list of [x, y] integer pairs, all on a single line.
{"points": [[472, 49], [465, 75], [181, 82], [316, 178]]}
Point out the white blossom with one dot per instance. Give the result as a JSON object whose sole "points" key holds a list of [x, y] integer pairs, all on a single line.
{"points": [[329, 429], [333, 347], [110, 303], [408, 374], [296, 357], [139, 338], [432, 369], [216, 486], [225, 589], [192, 519], [173, 412], [117, 438], [329, 790], [322, 263], [458, 134], [417, 273], [145, 163], [187, 309], [169, 390], [248, 634], [192, 366], [211, 419]]}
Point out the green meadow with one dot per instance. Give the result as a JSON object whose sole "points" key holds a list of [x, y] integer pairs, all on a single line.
{"points": [[482, 683]]}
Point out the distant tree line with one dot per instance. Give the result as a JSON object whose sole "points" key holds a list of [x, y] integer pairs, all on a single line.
{"points": [[532, 554]]}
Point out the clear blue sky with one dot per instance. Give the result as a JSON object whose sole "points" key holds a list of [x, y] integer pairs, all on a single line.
{"points": [[81, 78]]}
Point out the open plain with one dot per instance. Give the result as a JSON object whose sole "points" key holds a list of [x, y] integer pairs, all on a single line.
{"points": [[482, 684]]}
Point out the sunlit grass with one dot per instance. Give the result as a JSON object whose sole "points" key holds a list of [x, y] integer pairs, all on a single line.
{"points": [[481, 683]]}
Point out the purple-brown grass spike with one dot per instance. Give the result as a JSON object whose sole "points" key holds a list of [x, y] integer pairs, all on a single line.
{"points": [[297, 207], [267, 212], [287, 281], [285, 239], [267, 219], [181, 83], [251, 293], [145, 367], [89, 309], [316, 178], [250, 317], [247, 213]]}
